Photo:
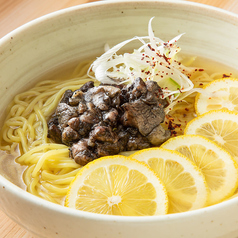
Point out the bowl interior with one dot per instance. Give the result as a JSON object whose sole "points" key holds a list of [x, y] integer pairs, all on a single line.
{"points": [[80, 33]]}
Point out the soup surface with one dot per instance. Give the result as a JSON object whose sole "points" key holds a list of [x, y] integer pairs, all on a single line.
{"points": [[34, 162]]}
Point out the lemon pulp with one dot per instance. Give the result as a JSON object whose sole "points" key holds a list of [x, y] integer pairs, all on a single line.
{"points": [[118, 186]]}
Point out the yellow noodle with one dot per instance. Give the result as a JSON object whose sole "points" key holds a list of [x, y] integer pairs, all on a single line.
{"points": [[45, 156], [44, 124], [49, 146], [61, 181], [10, 136], [17, 110], [49, 176], [32, 188], [23, 139], [26, 126], [6, 148], [27, 175], [47, 196], [31, 129], [32, 159], [59, 190], [47, 160], [64, 166], [24, 98]]}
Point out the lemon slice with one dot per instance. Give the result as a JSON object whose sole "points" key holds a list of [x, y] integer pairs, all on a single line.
{"points": [[225, 96], [184, 182], [117, 185], [216, 164], [220, 126]]}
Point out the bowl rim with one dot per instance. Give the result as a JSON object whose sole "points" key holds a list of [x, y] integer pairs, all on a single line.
{"points": [[40, 202], [212, 9]]}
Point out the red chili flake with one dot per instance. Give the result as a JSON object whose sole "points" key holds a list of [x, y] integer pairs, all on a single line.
{"points": [[226, 76], [186, 109], [171, 126], [174, 133], [151, 47], [201, 84], [201, 69]]}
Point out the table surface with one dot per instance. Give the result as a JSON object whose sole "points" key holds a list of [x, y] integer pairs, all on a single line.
{"points": [[14, 13]]}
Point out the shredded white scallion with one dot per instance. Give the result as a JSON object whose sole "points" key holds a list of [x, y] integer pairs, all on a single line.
{"points": [[154, 60]]}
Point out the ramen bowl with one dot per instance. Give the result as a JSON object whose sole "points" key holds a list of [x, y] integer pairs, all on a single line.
{"points": [[80, 33]]}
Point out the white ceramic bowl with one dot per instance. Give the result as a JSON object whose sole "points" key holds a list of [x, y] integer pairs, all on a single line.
{"points": [[81, 32]]}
